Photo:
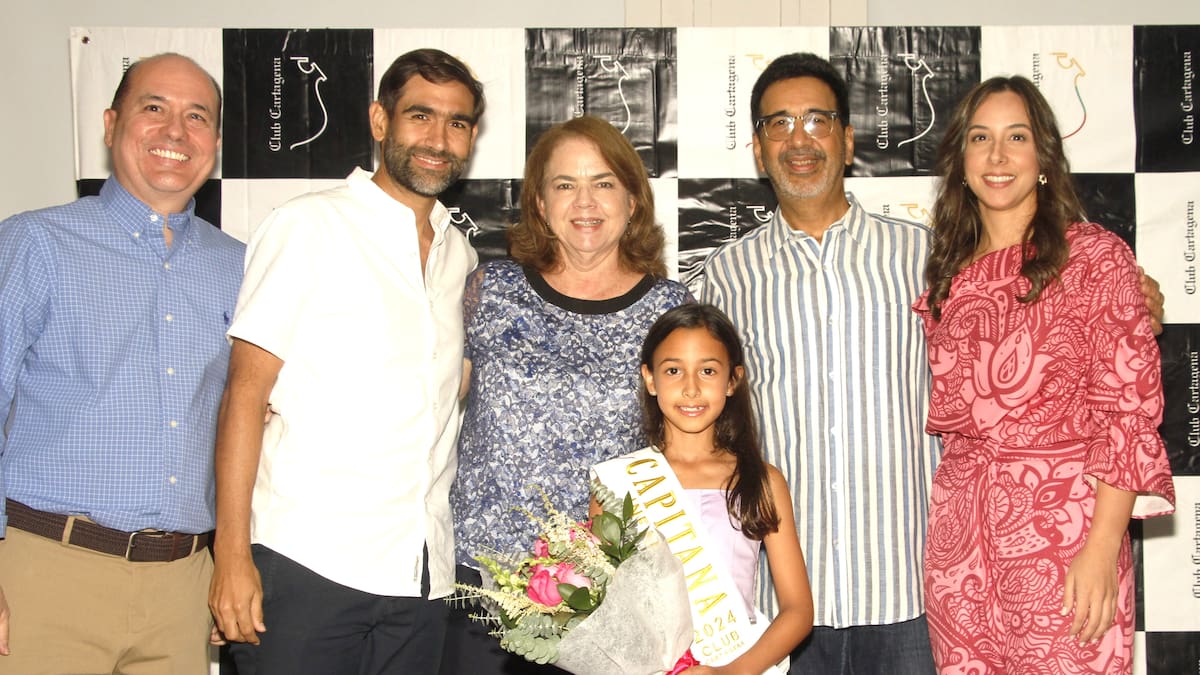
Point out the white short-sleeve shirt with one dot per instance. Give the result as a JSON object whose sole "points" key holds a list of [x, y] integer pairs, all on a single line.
{"points": [[358, 454]]}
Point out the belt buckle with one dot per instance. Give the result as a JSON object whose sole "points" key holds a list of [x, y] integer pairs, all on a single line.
{"points": [[129, 546]]}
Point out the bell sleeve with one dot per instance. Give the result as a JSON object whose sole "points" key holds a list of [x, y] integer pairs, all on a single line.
{"points": [[1124, 379]]}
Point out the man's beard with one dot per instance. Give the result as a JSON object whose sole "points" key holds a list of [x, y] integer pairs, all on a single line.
{"points": [[812, 187], [397, 159]]}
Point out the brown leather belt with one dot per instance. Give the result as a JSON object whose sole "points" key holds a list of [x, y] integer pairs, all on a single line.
{"points": [[141, 546]]}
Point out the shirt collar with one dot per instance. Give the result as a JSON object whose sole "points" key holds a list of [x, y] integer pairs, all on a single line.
{"points": [[852, 223], [360, 182], [137, 217]]}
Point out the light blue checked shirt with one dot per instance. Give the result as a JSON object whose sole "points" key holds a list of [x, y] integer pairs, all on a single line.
{"points": [[112, 360], [837, 363]]}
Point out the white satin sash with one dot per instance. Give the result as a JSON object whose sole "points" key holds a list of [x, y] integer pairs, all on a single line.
{"points": [[723, 630]]}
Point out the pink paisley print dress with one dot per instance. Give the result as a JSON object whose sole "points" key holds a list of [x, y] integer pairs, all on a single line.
{"points": [[1035, 402]]}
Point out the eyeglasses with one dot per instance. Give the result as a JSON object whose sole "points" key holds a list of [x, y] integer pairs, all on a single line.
{"points": [[781, 126]]}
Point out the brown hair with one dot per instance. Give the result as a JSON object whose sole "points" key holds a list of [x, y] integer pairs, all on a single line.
{"points": [[748, 496], [956, 221], [531, 243], [435, 66]]}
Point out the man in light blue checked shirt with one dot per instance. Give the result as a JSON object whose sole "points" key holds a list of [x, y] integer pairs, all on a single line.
{"points": [[113, 312]]}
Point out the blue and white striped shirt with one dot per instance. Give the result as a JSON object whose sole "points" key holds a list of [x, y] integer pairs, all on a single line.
{"points": [[837, 363], [112, 360]]}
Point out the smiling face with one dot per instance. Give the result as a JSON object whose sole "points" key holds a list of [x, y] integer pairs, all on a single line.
{"points": [[691, 378], [585, 204], [1000, 160], [802, 167], [426, 139], [164, 137]]}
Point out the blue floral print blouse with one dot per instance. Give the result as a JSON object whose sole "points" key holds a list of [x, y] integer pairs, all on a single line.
{"points": [[554, 390]]}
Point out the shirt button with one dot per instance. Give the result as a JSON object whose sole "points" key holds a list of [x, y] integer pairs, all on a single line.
{"points": [[170, 317], [137, 235], [174, 424], [172, 480], [170, 371], [166, 266]]}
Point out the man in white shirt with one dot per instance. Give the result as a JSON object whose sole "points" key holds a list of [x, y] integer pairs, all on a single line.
{"points": [[334, 537]]}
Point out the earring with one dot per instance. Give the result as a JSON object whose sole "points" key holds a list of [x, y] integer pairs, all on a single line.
{"points": [[1041, 179]]}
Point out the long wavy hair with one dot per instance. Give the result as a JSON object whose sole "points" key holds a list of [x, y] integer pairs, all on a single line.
{"points": [[748, 491], [957, 224], [533, 244]]}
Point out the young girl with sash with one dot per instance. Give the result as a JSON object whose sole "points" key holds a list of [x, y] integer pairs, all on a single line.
{"points": [[704, 486]]}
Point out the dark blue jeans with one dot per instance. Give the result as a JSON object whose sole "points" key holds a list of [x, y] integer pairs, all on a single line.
{"points": [[317, 626], [889, 649]]}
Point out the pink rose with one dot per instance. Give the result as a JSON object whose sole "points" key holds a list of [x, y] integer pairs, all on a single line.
{"points": [[541, 549], [566, 574], [543, 585]]}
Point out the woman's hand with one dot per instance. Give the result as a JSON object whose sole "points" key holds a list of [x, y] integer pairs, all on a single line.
{"points": [[1091, 591], [1148, 285], [1091, 585]]}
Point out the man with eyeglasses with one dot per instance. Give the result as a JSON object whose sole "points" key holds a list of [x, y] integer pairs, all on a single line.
{"points": [[837, 362]]}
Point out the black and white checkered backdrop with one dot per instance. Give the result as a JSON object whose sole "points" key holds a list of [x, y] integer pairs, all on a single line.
{"points": [[296, 120]]}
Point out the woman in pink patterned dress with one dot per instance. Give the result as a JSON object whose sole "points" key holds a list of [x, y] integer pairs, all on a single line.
{"points": [[1047, 393]]}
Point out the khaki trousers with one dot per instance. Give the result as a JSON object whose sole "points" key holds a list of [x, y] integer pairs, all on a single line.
{"points": [[81, 612]]}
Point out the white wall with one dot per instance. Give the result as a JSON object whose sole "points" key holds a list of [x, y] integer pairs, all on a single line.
{"points": [[1031, 12], [36, 129]]}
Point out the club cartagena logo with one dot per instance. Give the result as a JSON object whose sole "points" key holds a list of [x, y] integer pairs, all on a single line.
{"points": [[759, 61], [731, 80], [910, 211], [920, 69], [760, 213], [923, 108], [610, 66], [463, 221], [1186, 102], [1065, 66], [304, 65]]}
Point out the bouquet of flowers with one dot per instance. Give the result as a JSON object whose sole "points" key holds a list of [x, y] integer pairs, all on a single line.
{"points": [[596, 597]]}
